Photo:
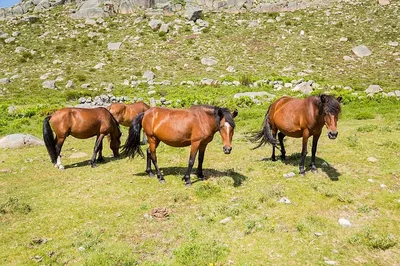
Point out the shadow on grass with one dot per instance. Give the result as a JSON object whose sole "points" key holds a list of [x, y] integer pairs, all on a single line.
{"points": [[294, 160], [87, 162], [180, 171]]}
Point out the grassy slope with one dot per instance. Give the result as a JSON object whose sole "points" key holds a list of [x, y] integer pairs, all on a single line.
{"points": [[102, 209]]}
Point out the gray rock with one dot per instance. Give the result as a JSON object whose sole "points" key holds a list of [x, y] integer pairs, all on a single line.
{"points": [[149, 75], [4, 81], [343, 39], [86, 86], [230, 69], [226, 220], [9, 40], [114, 45], [372, 89], [253, 94], [16, 33], [344, 222], [164, 28], [99, 66], [209, 61], [49, 84], [155, 24], [19, 140], [384, 2], [361, 51], [70, 85], [284, 200], [207, 81], [372, 159], [394, 44], [289, 175], [12, 110], [303, 87], [193, 12]]}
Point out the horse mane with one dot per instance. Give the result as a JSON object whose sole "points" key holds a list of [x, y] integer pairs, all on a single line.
{"points": [[227, 114], [329, 105]]}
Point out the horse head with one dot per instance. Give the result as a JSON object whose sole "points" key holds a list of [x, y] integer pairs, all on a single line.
{"points": [[331, 109], [115, 141], [226, 127]]}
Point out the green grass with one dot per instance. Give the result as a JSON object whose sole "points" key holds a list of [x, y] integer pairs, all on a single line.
{"points": [[101, 216]]}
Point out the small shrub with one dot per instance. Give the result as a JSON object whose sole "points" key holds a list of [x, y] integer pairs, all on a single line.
{"points": [[367, 128], [13, 205], [373, 239], [364, 116], [205, 253], [207, 189], [352, 141], [245, 80]]}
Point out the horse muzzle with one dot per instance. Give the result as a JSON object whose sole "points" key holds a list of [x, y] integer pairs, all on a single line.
{"points": [[227, 150], [332, 134]]}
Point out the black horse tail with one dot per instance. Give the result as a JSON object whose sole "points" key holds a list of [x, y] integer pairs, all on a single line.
{"points": [[265, 134], [132, 144], [49, 140]]}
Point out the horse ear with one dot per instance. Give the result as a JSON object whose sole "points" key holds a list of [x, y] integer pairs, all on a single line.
{"points": [[339, 99], [235, 113], [220, 113]]}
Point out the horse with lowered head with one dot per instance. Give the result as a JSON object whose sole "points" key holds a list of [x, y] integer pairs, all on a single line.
{"points": [[194, 127], [299, 118], [80, 123]]}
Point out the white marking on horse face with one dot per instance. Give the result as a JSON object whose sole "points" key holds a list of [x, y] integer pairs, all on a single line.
{"points": [[228, 128]]}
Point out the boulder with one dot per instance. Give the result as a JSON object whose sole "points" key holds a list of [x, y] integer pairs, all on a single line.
{"points": [[19, 140], [361, 51], [372, 89]]}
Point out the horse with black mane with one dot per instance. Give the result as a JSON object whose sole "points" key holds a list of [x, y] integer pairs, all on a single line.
{"points": [[299, 118], [193, 127], [81, 123]]}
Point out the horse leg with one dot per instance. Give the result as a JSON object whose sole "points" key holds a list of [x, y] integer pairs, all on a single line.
{"points": [[273, 158], [59, 144], [148, 163], [193, 151], [283, 151], [153, 155], [99, 141], [313, 152], [100, 158], [303, 154], [199, 171]]}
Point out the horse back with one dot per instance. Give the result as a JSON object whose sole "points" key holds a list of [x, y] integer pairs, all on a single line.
{"points": [[292, 116], [175, 127], [82, 122]]}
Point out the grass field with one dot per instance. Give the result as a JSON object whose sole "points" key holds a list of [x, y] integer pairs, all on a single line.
{"points": [[108, 215]]}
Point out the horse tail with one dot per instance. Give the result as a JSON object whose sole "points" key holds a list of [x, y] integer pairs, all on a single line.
{"points": [[49, 140], [132, 144], [265, 134]]}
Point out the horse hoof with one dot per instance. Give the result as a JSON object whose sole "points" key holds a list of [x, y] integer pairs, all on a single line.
{"points": [[302, 173], [93, 165], [314, 171], [61, 167], [188, 184], [273, 159], [162, 181]]}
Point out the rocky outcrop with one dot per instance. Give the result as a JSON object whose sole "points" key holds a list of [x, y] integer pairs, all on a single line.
{"points": [[192, 8]]}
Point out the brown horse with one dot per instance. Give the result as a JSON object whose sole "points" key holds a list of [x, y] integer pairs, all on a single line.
{"points": [[193, 127], [299, 118], [80, 123], [125, 113]]}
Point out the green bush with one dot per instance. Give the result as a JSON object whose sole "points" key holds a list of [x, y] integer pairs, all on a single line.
{"points": [[13, 205], [364, 116]]}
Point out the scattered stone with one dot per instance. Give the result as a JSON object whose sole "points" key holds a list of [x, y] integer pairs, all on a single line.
{"points": [[192, 12], [289, 175], [303, 87], [318, 234], [49, 84], [284, 200], [372, 159], [343, 39], [361, 51], [344, 222], [70, 85], [394, 44], [164, 28], [114, 46], [99, 66], [155, 24], [4, 81], [37, 258], [383, 186], [226, 220], [85, 86], [19, 140], [348, 58], [230, 69], [370, 180], [10, 40], [330, 262], [208, 61], [384, 2], [149, 75], [325, 164], [81, 248], [372, 89], [209, 82]]}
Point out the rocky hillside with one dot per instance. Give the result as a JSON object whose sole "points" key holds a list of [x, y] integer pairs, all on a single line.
{"points": [[50, 59]]}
